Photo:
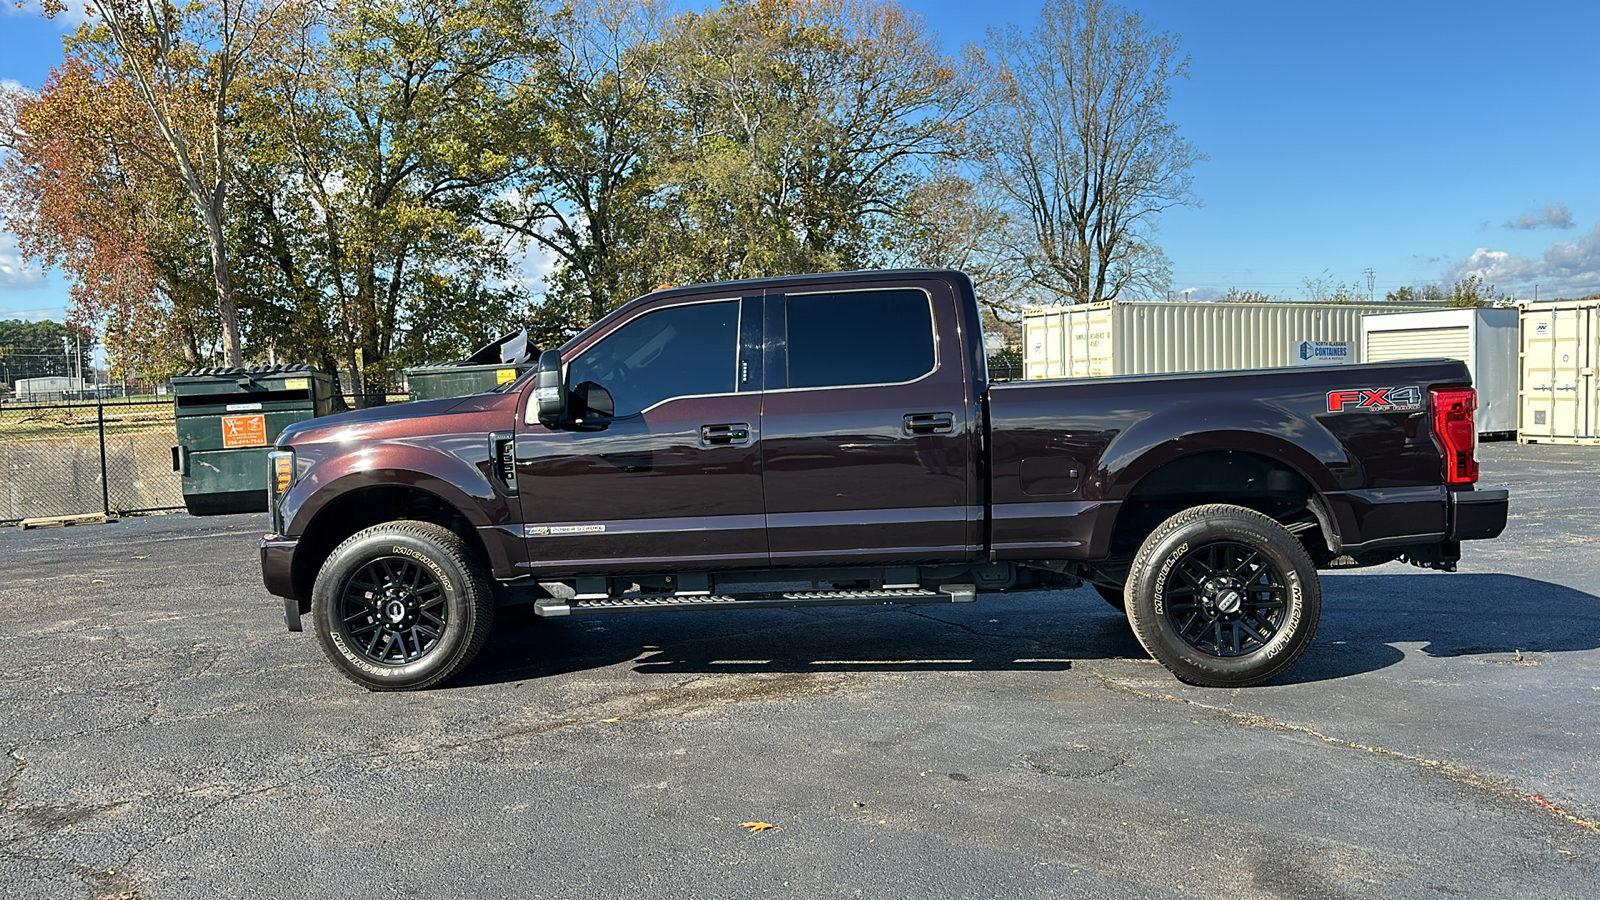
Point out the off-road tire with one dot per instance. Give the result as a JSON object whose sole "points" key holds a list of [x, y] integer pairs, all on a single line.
{"points": [[441, 600], [1223, 596]]}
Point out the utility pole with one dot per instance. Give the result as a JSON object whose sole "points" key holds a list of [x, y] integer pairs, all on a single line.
{"points": [[1370, 279]]}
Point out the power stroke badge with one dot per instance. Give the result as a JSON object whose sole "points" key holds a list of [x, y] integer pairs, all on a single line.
{"points": [[1376, 400]]}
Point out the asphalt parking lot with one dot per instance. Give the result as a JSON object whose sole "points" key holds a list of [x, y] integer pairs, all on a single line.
{"points": [[164, 737]]}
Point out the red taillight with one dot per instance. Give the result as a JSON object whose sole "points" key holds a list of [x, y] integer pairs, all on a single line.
{"points": [[1453, 425]]}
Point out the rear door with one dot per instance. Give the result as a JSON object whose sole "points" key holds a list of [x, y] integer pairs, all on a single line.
{"points": [[867, 447]]}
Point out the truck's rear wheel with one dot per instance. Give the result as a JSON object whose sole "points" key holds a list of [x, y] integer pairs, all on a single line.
{"points": [[402, 606], [1223, 596]]}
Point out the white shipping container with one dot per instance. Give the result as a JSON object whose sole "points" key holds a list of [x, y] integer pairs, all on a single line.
{"points": [[1560, 351], [1485, 339], [1138, 338], [45, 387]]}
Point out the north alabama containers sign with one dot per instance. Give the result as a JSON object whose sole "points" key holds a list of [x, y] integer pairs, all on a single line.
{"points": [[1321, 353]]}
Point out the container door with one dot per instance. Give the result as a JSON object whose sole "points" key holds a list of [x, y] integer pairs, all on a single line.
{"points": [[1538, 374], [1588, 379]]}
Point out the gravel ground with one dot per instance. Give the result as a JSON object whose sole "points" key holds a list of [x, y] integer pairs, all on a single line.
{"points": [[162, 736]]}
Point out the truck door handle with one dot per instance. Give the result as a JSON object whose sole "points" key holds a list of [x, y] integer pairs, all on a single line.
{"points": [[732, 433], [929, 423]]}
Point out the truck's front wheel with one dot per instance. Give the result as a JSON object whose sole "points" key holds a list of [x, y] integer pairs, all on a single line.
{"points": [[1223, 596], [402, 606]]}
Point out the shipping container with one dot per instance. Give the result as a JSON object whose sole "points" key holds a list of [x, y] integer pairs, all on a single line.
{"points": [[1151, 338], [1485, 339], [1560, 350]]}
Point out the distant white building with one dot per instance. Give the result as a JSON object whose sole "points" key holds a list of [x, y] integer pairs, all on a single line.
{"points": [[46, 388]]}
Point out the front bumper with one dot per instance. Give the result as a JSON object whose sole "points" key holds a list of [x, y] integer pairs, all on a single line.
{"points": [[277, 573], [1478, 515]]}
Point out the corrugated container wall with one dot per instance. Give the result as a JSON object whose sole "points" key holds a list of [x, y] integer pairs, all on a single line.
{"points": [[1153, 338], [1485, 339], [1560, 352]]}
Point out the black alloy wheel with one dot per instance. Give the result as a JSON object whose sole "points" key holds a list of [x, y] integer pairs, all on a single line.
{"points": [[1229, 601], [395, 610]]}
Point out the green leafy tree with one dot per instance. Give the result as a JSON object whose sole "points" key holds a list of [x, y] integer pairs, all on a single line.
{"points": [[371, 182], [802, 129], [594, 123]]}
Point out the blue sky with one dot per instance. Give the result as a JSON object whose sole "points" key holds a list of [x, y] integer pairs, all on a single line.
{"points": [[1425, 141]]}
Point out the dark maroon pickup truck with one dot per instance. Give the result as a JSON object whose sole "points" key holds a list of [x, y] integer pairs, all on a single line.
{"points": [[701, 447]]}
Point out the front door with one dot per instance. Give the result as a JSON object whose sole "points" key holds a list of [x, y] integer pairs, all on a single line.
{"points": [[673, 482]]}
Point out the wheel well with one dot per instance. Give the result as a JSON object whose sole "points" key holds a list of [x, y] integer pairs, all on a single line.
{"points": [[364, 508], [1262, 483]]}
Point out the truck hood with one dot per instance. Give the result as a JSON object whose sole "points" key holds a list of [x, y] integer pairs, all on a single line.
{"points": [[312, 429]]}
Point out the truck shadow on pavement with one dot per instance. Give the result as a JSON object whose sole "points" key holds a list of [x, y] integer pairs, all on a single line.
{"points": [[1370, 621], [1366, 620]]}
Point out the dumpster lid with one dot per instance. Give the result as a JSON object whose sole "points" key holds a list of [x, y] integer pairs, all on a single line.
{"points": [[511, 350], [235, 371]]}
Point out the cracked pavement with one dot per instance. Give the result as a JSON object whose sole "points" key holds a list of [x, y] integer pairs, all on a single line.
{"points": [[162, 736]]}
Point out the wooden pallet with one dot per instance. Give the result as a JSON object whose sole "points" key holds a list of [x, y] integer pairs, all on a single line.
{"points": [[63, 521]]}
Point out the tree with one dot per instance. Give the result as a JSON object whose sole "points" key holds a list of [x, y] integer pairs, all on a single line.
{"points": [[1430, 293], [1235, 295], [949, 222], [370, 183], [34, 350], [1076, 133], [1324, 289], [181, 62], [593, 123], [1472, 291], [81, 193], [803, 126]]}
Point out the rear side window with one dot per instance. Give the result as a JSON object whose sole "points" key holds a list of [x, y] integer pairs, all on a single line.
{"points": [[861, 337], [680, 351]]}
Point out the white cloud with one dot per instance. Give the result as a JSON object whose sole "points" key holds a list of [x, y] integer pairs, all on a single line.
{"points": [[14, 273], [533, 267], [1557, 216], [1565, 269]]}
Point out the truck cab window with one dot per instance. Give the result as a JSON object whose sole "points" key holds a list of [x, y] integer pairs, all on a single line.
{"points": [[859, 337], [680, 351]]}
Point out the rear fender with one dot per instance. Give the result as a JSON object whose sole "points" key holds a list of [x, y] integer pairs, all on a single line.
{"points": [[1260, 429]]}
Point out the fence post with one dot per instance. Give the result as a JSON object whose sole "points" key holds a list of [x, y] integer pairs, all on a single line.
{"points": [[105, 483]]}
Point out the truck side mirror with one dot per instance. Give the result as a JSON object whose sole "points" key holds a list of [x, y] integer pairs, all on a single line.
{"points": [[550, 390]]}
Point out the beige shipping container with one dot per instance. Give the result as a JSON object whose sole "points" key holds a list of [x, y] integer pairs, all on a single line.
{"points": [[1560, 351], [1152, 338]]}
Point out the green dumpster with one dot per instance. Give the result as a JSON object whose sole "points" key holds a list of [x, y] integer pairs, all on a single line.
{"points": [[227, 418], [449, 380], [494, 364]]}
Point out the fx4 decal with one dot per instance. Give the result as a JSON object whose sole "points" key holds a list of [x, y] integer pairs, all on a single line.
{"points": [[1388, 399]]}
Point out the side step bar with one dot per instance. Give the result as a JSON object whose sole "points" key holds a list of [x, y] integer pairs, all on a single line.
{"points": [[947, 593]]}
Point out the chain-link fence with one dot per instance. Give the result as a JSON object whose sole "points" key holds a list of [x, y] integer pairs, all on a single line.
{"points": [[112, 457], [73, 458], [1006, 366]]}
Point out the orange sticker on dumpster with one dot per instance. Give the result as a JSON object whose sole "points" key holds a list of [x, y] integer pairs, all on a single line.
{"points": [[244, 431]]}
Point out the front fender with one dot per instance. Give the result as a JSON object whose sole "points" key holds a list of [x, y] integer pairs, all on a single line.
{"points": [[454, 468]]}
